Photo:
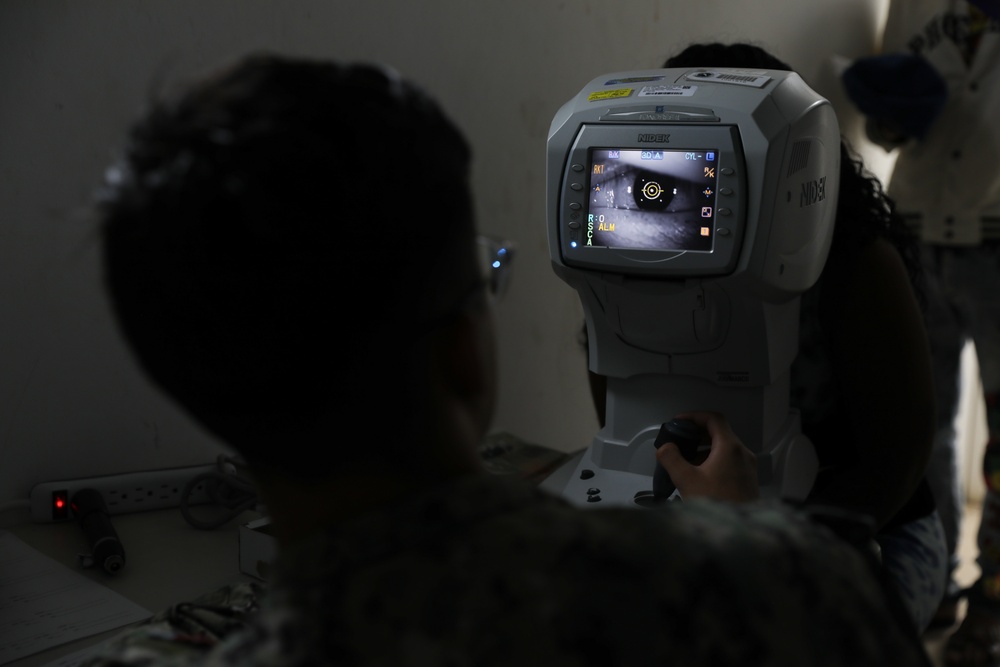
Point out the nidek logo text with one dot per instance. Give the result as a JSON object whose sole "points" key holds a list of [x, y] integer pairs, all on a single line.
{"points": [[812, 192], [654, 138]]}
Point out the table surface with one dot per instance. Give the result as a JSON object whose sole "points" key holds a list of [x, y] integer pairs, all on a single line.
{"points": [[167, 561]]}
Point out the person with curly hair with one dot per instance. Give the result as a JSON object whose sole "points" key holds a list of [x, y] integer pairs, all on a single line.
{"points": [[930, 97], [862, 378]]}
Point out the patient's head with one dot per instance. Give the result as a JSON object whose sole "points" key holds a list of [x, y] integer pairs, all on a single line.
{"points": [[279, 239], [716, 54]]}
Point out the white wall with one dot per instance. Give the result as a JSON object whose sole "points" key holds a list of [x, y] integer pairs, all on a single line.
{"points": [[73, 73]]}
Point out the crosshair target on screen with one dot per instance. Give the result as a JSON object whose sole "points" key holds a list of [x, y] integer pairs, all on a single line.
{"points": [[648, 199], [653, 192]]}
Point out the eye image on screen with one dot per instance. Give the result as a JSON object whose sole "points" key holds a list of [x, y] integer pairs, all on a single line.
{"points": [[652, 199]]}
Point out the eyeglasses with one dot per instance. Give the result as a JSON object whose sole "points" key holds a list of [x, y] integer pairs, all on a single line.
{"points": [[495, 257]]}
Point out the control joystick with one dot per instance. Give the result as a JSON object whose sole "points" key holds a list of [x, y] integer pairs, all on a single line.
{"points": [[687, 435]]}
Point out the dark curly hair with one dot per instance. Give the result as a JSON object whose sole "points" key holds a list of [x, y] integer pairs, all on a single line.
{"points": [[864, 211], [273, 231]]}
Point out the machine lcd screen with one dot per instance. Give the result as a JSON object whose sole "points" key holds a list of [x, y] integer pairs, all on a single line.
{"points": [[652, 199]]}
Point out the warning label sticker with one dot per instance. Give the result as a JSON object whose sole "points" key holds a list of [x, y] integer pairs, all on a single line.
{"points": [[616, 93]]}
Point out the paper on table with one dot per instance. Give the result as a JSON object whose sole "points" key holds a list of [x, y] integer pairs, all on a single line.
{"points": [[77, 658], [45, 604]]}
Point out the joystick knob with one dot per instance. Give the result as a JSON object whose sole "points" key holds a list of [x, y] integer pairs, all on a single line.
{"points": [[687, 435]]}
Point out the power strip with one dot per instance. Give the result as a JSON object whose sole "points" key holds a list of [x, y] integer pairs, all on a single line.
{"points": [[128, 492]]}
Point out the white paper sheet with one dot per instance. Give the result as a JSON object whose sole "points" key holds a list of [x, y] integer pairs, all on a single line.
{"points": [[44, 604]]}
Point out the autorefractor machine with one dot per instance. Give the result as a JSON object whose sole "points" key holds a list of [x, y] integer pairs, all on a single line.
{"points": [[690, 209]]}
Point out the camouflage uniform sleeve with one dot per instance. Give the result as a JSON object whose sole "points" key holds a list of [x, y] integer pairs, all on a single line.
{"points": [[184, 633], [815, 596]]}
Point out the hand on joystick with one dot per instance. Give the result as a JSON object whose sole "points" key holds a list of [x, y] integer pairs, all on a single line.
{"points": [[729, 472]]}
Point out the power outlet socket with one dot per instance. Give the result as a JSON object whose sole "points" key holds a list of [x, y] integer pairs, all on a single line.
{"points": [[128, 492]]}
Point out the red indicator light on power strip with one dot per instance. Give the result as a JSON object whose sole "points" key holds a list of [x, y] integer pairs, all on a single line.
{"points": [[60, 505]]}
